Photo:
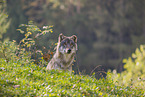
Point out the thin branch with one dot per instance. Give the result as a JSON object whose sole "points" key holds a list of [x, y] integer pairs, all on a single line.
{"points": [[94, 69]]}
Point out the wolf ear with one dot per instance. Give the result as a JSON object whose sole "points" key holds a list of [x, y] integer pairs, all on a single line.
{"points": [[74, 37], [61, 37]]}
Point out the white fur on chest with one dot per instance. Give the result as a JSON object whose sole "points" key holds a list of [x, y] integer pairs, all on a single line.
{"points": [[67, 57]]}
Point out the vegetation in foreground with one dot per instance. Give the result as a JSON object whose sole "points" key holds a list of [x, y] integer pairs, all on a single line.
{"points": [[134, 73], [22, 79]]}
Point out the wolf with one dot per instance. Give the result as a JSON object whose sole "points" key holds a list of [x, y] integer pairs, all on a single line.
{"points": [[65, 52]]}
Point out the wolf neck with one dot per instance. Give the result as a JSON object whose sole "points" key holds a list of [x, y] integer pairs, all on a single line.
{"points": [[67, 57]]}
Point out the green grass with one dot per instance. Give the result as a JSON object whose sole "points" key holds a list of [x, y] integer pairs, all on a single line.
{"points": [[18, 79]]}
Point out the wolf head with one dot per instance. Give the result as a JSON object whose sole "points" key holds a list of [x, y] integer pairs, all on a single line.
{"points": [[67, 45]]}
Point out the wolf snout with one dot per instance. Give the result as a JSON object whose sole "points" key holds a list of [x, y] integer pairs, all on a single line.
{"points": [[69, 51]]}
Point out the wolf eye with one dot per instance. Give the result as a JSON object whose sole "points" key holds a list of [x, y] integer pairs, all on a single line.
{"points": [[71, 44], [64, 43]]}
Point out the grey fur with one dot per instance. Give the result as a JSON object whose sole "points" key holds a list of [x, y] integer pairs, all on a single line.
{"points": [[65, 52]]}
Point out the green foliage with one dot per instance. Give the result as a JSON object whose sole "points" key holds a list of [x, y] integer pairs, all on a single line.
{"points": [[8, 50], [32, 80], [28, 46], [134, 74], [32, 35], [4, 22], [32, 38]]}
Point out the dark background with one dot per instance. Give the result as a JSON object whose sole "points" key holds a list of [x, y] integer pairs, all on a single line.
{"points": [[107, 30]]}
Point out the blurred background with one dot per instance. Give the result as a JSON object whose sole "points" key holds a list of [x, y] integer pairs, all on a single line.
{"points": [[107, 30]]}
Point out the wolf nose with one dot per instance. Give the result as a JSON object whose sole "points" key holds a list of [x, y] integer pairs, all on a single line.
{"points": [[69, 50]]}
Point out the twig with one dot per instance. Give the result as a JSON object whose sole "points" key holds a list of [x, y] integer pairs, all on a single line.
{"points": [[94, 69]]}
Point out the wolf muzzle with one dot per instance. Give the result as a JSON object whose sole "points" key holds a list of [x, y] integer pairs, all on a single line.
{"points": [[68, 51]]}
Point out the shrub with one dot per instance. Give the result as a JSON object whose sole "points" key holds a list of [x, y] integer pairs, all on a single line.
{"points": [[134, 74], [31, 40], [27, 50]]}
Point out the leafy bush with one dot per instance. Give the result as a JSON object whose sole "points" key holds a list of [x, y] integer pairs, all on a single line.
{"points": [[28, 49], [31, 40], [134, 74], [7, 50]]}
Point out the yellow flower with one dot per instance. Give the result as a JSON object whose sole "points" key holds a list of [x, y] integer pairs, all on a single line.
{"points": [[29, 33], [51, 31], [50, 26]]}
